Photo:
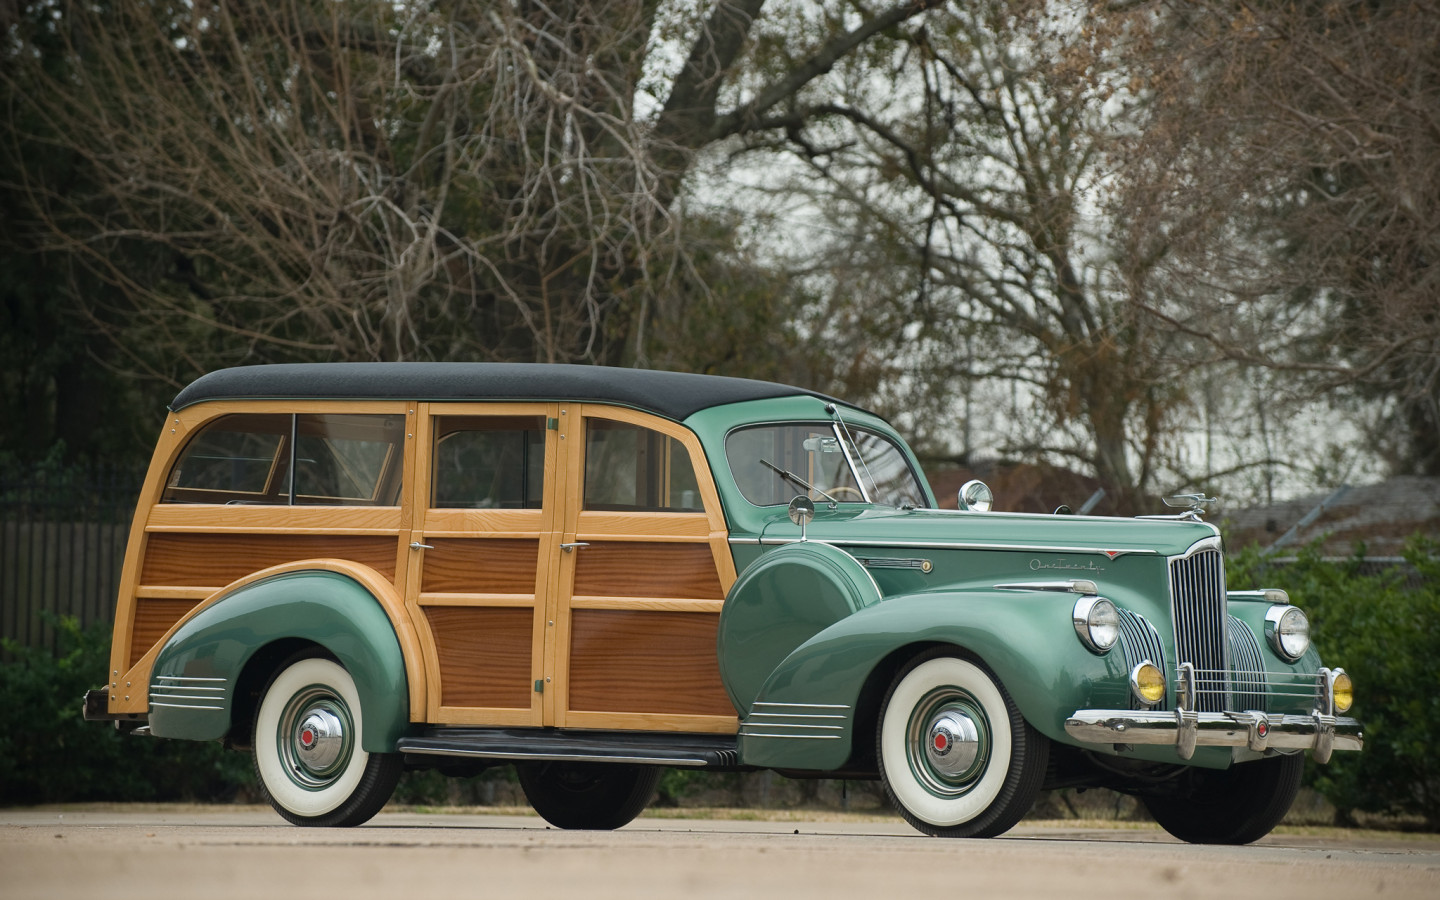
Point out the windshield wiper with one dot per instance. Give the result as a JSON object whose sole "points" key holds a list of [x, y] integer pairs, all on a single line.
{"points": [[800, 482]]}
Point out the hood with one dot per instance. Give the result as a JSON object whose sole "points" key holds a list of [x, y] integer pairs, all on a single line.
{"points": [[992, 530]]}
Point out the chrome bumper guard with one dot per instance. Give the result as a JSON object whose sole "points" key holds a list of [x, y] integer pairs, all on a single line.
{"points": [[1186, 729]]}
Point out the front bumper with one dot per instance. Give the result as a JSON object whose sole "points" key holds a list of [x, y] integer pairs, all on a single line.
{"points": [[1185, 730]]}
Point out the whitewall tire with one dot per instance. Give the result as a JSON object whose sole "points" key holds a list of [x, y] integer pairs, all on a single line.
{"points": [[307, 748], [955, 755]]}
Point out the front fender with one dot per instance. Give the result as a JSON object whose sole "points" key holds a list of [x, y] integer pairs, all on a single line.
{"points": [[197, 669], [1027, 639]]}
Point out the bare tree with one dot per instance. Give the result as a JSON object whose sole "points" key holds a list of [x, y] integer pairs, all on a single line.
{"points": [[389, 180], [1286, 186], [965, 164]]}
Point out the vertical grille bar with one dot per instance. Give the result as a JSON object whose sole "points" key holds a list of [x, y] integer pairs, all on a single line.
{"points": [[1198, 604], [1247, 678], [1140, 641]]}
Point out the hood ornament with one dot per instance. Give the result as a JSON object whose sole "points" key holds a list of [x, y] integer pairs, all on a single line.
{"points": [[1196, 504]]}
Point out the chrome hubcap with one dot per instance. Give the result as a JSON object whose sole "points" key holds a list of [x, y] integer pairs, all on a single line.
{"points": [[316, 738], [954, 744], [948, 742], [319, 739]]}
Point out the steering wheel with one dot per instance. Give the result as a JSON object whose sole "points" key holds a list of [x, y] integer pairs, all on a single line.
{"points": [[844, 492]]}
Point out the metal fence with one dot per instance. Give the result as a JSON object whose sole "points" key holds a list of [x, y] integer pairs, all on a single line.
{"points": [[62, 543]]}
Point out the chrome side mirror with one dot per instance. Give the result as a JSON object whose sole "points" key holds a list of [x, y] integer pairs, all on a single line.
{"points": [[976, 496], [802, 510]]}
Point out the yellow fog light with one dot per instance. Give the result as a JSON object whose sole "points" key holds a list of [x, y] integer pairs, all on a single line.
{"points": [[1148, 683], [1343, 692]]}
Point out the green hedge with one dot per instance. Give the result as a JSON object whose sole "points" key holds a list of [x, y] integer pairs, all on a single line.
{"points": [[50, 754], [1386, 634]]}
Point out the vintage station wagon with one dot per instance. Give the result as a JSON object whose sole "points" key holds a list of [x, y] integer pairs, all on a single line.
{"points": [[590, 573]]}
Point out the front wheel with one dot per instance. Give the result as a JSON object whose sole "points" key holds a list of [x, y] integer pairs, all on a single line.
{"points": [[585, 795], [956, 757], [1237, 805], [307, 748]]}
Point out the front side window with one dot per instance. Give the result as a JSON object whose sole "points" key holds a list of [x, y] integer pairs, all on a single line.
{"points": [[337, 460], [851, 465], [633, 469]]}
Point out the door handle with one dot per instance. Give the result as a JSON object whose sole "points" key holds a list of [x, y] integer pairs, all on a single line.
{"points": [[416, 545], [570, 548]]}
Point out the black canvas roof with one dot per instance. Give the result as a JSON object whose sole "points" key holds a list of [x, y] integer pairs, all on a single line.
{"points": [[675, 395]]}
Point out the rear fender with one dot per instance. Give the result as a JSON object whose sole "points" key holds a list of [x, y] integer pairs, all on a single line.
{"points": [[200, 663]]}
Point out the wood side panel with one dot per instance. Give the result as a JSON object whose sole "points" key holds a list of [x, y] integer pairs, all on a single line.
{"points": [[154, 617], [215, 560], [484, 655], [645, 662], [645, 569], [487, 566]]}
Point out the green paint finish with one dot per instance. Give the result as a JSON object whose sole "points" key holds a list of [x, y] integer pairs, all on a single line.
{"points": [[325, 608], [1026, 639], [781, 602]]}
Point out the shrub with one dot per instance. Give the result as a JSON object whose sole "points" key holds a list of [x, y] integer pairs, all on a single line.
{"points": [[50, 754], [1387, 636]]}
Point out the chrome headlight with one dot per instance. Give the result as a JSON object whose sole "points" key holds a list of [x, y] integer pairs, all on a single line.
{"points": [[1288, 631], [1097, 622]]}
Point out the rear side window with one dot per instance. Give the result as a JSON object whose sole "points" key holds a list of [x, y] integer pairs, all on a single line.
{"points": [[336, 460]]}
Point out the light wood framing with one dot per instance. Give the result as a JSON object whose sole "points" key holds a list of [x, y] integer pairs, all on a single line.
{"points": [[501, 622]]}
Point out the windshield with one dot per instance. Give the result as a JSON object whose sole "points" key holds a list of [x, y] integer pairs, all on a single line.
{"points": [[774, 463]]}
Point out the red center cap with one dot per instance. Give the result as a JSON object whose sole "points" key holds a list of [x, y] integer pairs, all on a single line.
{"points": [[307, 737], [941, 741], [1263, 729]]}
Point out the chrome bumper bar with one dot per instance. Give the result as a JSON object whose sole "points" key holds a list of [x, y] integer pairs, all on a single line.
{"points": [[1186, 729]]}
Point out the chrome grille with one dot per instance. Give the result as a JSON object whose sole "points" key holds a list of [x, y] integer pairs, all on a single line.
{"points": [[1140, 642], [1198, 603], [1248, 683]]}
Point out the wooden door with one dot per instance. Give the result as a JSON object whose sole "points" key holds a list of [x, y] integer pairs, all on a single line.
{"points": [[482, 558], [644, 565]]}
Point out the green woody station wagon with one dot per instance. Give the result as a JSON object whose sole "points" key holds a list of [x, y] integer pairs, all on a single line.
{"points": [[590, 574]]}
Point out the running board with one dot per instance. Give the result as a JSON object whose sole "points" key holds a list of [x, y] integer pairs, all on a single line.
{"points": [[700, 751]]}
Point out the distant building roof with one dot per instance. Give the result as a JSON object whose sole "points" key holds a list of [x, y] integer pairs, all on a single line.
{"points": [[1381, 515]]}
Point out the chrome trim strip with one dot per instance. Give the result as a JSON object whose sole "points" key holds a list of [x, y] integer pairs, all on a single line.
{"points": [[188, 678], [185, 705], [798, 737], [802, 705], [957, 545], [1061, 587], [163, 696], [765, 715], [795, 725], [561, 757]]}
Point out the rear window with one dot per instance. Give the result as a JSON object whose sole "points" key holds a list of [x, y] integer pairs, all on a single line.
{"points": [[336, 460]]}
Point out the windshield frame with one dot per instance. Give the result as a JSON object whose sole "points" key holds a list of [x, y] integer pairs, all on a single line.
{"points": [[855, 462]]}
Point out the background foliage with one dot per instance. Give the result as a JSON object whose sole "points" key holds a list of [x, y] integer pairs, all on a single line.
{"points": [[1386, 634]]}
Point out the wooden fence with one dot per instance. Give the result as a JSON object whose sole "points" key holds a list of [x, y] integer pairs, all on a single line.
{"points": [[62, 543]]}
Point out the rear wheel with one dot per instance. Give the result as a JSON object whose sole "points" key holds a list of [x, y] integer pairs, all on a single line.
{"points": [[956, 757], [307, 748], [1237, 805], [585, 795]]}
